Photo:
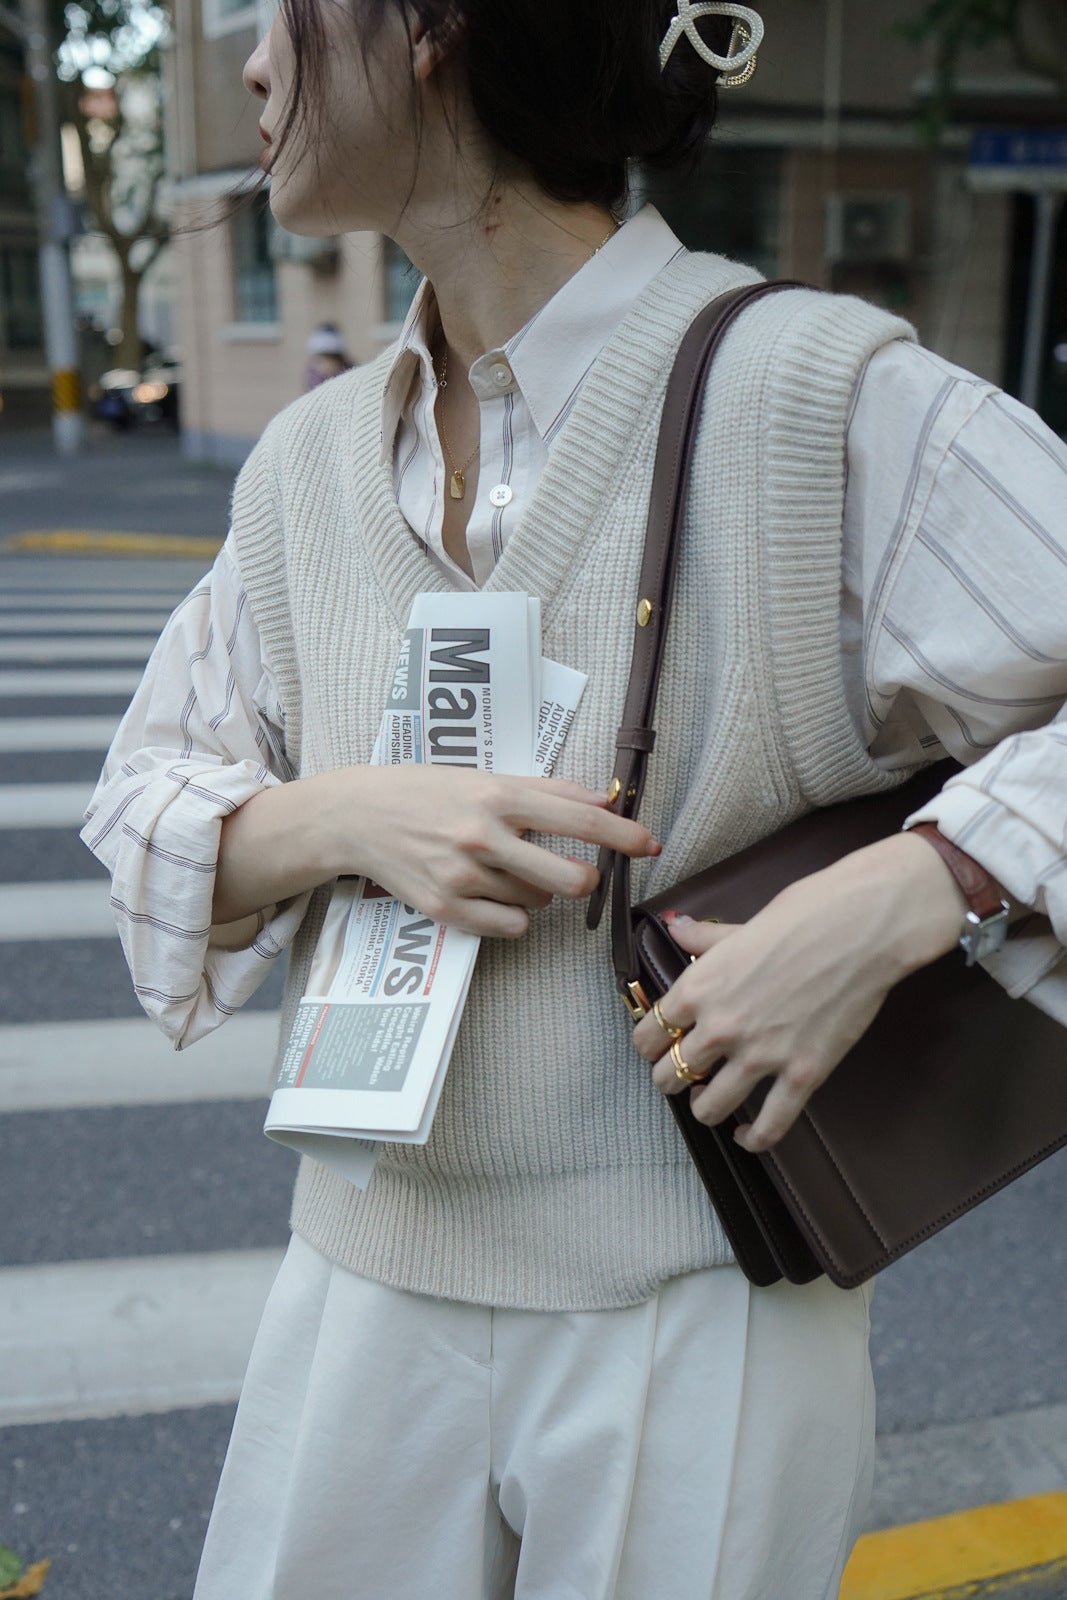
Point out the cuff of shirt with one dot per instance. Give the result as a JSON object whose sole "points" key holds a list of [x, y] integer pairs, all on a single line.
{"points": [[157, 830], [1015, 854]]}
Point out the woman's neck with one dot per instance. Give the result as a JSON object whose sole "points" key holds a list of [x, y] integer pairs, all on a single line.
{"points": [[493, 270]]}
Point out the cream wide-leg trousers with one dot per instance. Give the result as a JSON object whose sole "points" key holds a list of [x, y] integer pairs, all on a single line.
{"points": [[713, 1443]]}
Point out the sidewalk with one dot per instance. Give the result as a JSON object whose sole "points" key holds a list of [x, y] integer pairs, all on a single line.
{"points": [[121, 483]]}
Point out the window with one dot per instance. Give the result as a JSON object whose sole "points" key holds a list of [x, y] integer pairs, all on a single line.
{"points": [[401, 281], [14, 182], [20, 298], [731, 205], [227, 16], [255, 286]]}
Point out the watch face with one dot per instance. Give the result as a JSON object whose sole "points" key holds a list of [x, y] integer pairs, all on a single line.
{"points": [[984, 938]]}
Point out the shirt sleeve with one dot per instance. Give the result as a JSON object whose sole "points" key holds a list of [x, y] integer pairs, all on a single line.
{"points": [[956, 603], [204, 733]]}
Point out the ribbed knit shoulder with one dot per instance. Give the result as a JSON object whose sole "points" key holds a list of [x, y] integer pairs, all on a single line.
{"points": [[303, 446], [794, 361]]}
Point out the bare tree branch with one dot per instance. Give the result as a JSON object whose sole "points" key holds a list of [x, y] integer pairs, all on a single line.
{"points": [[120, 135]]}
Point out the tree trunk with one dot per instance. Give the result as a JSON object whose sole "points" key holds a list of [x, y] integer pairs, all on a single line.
{"points": [[130, 352]]}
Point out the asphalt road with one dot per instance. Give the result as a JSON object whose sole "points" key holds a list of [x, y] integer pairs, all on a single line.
{"points": [[970, 1332], [131, 483]]}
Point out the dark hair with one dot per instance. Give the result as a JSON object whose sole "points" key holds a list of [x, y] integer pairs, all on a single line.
{"points": [[569, 89]]}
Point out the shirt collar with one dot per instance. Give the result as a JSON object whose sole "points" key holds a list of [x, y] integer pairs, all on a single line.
{"points": [[552, 354], [412, 358]]}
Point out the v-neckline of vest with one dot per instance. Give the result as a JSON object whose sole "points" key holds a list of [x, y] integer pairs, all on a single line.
{"points": [[585, 457]]}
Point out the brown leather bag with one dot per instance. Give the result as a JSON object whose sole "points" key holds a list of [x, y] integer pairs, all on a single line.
{"points": [[954, 1090]]}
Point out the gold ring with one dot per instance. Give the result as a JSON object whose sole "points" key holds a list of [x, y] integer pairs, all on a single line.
{"points": [[682, 1069], [671, 1029]]}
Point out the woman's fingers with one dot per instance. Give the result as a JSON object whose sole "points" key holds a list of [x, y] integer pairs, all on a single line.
{"points": [[681, 1005], [569, 811], [489, 919], [545, 871], [697, 938]]}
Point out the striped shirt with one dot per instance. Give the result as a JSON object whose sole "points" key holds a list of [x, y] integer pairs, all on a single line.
{"points": [[953, 639]]}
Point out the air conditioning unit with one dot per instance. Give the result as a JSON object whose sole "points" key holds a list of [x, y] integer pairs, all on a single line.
{"points": [[869, 229]]}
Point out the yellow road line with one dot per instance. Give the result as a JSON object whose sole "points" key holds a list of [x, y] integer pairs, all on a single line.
{"points": [[100, 542], [925, 1558]]}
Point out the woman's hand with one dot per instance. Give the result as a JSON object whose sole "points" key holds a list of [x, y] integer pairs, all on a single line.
{"points": [[449, 841], [785, 996], [446, 840]]}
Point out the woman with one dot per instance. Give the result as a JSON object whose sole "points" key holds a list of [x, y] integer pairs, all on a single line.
{"points": [[522, 1363]]}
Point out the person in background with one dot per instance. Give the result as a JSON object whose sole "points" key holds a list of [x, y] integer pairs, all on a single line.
{"points": [[327, 357]]}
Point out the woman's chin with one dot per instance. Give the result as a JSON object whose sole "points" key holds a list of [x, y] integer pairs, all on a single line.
{"points": [[299, 213]]}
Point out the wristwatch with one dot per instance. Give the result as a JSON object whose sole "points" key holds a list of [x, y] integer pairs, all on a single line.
{"points": [[985, 926]]}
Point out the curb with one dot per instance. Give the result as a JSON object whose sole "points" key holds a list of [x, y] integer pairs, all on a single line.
{"points": [[88, 541], [1022, 1540]]}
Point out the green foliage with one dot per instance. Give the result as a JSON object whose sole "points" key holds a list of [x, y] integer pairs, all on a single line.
{"points": [[10, 1567], [955, 26], [1035, 30]]}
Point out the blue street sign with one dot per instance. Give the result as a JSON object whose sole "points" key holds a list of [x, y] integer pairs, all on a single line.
{"points": [[1020, 147]]}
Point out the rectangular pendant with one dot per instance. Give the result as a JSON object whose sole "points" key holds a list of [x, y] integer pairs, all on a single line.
{"points": [[458, 486]]}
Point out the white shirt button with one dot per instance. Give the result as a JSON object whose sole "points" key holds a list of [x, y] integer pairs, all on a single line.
{"points": [[501, 374], [501, 496]]}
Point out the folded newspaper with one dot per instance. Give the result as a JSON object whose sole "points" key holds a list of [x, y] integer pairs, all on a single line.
{"points": [[369, 1049]]}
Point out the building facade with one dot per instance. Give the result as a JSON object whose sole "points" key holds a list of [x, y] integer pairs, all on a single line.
{"points": [[817, 172], [25, 394]]}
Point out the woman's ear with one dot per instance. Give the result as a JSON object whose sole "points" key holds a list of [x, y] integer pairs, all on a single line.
{"points": [[431, 46]]}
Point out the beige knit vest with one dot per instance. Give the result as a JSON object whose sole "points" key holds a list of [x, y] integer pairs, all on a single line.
{"points": [[554, 1177]]}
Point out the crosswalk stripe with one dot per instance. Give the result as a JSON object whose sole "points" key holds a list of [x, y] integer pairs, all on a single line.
{"points": [[88, 577], [136, 648], [70, 681], [44, 734], [68, 604], [125, 1337], [55, 911], [62, 1066], [49, 622], [43, 805]]}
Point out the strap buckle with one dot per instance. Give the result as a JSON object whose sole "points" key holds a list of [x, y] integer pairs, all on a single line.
{"points": [[636, 1001]]}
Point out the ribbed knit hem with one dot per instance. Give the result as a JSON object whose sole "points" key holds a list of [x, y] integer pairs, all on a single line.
{"points": [[628, 1230]]}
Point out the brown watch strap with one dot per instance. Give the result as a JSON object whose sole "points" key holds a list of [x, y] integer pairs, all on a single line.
{"points": [[982, 892]]}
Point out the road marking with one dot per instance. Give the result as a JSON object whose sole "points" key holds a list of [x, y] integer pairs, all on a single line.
{"points": [[66, 622], [927, 1558], [61, 1066], [43, 805], [56, 911], [137, 648], [102, 542], [41, 734], [121, 1338], [90, 680]]}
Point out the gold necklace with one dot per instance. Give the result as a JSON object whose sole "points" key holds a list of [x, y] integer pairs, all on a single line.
{"points": [[458, 481]]}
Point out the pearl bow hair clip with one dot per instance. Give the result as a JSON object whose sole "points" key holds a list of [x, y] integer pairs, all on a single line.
{"points": [[737, 67]]}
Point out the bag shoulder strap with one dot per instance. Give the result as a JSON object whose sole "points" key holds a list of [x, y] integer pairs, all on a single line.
{"points": [[636, 737]]}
